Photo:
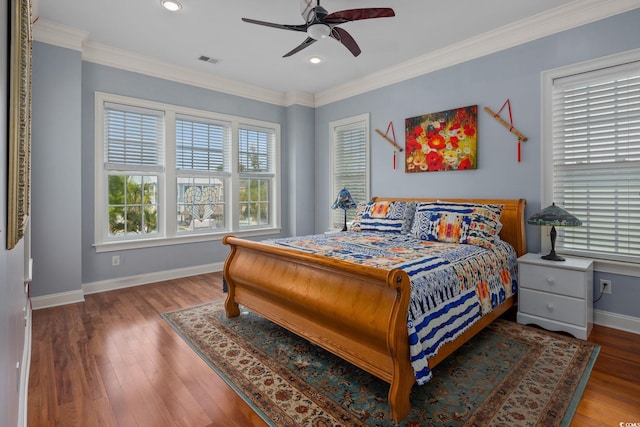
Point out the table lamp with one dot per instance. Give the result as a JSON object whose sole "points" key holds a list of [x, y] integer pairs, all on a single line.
{"points": [[344, 201], [554, 216]]}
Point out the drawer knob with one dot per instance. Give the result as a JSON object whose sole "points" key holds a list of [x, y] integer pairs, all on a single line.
{"points": [[550, 280], [550, 307]]}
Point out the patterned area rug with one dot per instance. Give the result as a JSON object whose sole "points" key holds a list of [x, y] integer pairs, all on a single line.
{"points": [[508, 374]]}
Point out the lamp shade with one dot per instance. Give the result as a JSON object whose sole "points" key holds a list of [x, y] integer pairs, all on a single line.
{"points": [[554, 216], [344, 201]]}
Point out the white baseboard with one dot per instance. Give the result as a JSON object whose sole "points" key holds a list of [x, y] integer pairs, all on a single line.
{"points": [[71, 297], [144, 279], [54, 300], [617, 321]]}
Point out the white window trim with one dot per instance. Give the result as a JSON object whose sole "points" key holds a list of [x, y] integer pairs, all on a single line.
{"points": [[167, 223], [601, 265], [332, 126]]}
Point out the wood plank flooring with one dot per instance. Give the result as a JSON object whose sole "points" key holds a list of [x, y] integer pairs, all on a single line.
{"points": [[113, 361]]}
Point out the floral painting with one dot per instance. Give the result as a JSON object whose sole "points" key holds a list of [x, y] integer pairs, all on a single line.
{"points": [[442, 141]]}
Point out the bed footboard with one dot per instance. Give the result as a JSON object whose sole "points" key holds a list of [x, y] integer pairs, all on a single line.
{"points": [[359, 313]]}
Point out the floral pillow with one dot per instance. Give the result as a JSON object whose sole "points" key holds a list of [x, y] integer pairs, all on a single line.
{"points": [[390, 216], [469, 223]]}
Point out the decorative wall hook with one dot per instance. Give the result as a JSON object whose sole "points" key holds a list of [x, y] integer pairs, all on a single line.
{"points": [[509, 126], [391, 141]]}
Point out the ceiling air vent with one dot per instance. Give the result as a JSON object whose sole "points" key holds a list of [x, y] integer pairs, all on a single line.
{"points": [[208, 59]]}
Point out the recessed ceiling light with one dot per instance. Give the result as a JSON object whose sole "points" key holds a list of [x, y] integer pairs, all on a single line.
{"points": [[171, 5], [315, 59]]}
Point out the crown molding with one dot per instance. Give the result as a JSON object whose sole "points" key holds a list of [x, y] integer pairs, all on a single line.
{"points": [[125, 60], [571, 15], [59, 35], [300, 98]]}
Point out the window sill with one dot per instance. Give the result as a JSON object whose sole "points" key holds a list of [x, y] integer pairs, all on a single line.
{"points": [[609, 266], [179, 240], [616, 267]]}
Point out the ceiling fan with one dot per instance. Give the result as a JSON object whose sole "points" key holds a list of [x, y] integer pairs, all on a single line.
{"points": [[321, 24]]}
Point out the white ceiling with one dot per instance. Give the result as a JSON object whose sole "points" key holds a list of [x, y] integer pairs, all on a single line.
{"points": [[252, 54]]}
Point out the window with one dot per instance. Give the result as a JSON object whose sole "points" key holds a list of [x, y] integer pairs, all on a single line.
{"points": [[133, 164], [168, 174], [256, 165], [592, 146], [350, 163], [203, 165]]}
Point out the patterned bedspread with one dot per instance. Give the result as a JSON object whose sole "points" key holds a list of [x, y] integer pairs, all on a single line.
{"points": [[452, 285]]}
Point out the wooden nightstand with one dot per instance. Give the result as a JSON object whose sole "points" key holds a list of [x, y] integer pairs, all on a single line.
{"points": [[557, 295]]}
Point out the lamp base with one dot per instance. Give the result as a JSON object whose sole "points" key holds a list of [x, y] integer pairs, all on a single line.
{"points": [[552, 257]]}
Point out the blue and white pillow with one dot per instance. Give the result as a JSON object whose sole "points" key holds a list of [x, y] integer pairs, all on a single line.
{"points": [[468, 223], [388, 216]]}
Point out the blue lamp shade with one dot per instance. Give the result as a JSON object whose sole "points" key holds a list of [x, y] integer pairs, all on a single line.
{"points": [[554, 216], [344, 201]]}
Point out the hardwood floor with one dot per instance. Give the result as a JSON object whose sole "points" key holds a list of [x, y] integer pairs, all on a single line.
{"points": [[113, 361]]}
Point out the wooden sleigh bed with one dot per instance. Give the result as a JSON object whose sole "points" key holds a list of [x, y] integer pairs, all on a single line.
{"points": [[357, 312]]}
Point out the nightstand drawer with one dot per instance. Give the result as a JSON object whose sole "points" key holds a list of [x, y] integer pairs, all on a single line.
{"points": [[550, 306], [554, 280]]}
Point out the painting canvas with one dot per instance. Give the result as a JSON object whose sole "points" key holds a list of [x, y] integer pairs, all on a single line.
{"points": [[442, 141]]}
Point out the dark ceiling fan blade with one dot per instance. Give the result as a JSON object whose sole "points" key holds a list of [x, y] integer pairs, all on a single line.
{"points": [[308, 42], [345, 38], [302, 27], [349, 15]]}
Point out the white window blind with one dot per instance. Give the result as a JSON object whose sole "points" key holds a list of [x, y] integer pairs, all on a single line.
{"points": [[350, 165], [596, 161], [134, 137], [256, 150], [202, 145]]}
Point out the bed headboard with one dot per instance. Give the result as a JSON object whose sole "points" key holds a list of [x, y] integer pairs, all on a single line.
{"points": [[512, 219]]}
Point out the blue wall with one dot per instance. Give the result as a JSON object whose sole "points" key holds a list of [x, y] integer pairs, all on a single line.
{"points": [[488, 81], [55, 191], [301, 177]]}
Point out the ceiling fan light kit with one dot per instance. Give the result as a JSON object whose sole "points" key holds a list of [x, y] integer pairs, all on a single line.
{"points": [[320, 24], [318, 31]]}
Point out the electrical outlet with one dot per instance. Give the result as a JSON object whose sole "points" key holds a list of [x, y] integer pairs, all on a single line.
{"points": [[606, 284], [115, 260]]}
